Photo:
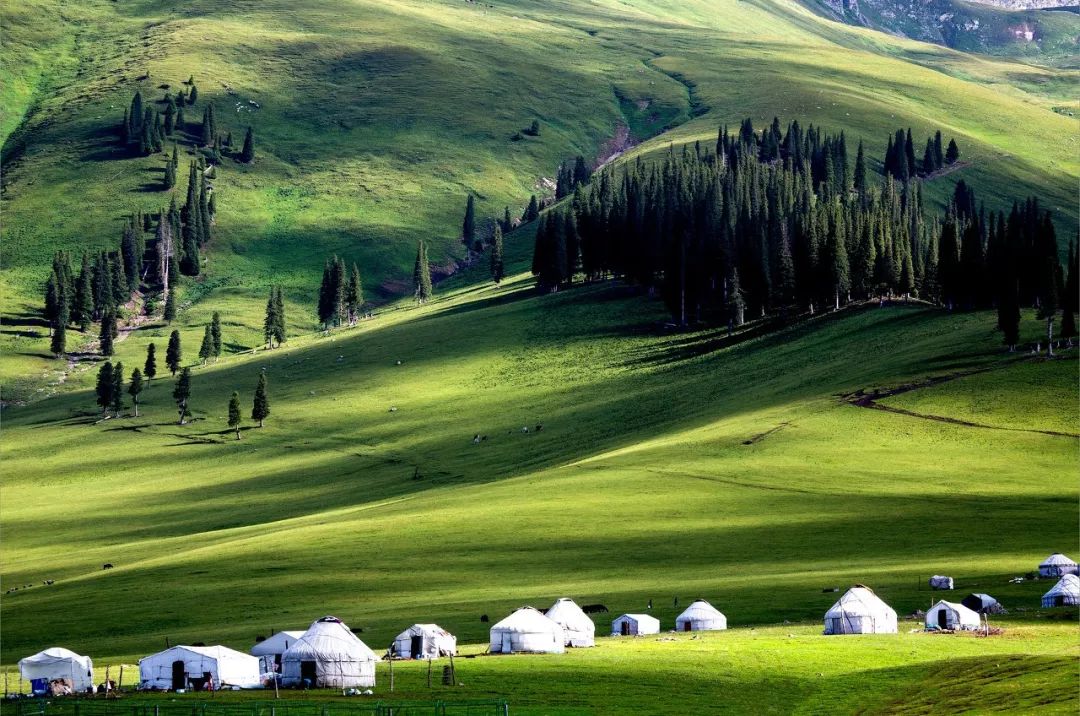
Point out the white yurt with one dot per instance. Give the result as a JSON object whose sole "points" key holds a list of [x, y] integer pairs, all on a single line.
{"points": [[424, 641], [860, 611], [199, 667], [527, 630], [59, 663], [270, 649], [328, 655], [947, 615], [700, 616], [580, 630], [1065, 593], [1057, 565], [635, 624]]}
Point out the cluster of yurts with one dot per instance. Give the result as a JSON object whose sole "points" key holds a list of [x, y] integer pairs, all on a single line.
{"points": [[330, 655]]}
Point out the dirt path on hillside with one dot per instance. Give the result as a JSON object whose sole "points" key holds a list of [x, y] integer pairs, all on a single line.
{"points": [[862, 399]]}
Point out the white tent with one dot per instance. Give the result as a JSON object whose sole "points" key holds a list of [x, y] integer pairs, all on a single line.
{"points": [[527, 630], [1057, 565], [1065, 593], [939, 581], [947, 615], [328, 655], [700, 616], [982, 603], [270, 649], [198, 667], [59, 663], [424, 641], [860, 611], [580, 630], [635, 624]]}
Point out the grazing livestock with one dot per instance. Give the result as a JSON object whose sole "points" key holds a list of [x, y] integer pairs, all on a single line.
{"points": [[600, 608], [106, 566]]}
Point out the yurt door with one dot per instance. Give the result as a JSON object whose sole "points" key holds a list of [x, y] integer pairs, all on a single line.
{"points": [[179, 675], [687, 625], [943, 618], [309, 673], [626, 628], [507, 643], [416, 646]]}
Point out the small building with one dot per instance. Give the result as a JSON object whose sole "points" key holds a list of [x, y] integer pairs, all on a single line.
{"points": [[199, 668], [57, 663], [635, 625], [270, 649], [580, 630], [700, 616], [328, 656], [1057, 565], [1065, 593], [947, 615], [860, 611], [939, 581], [982, 604], [424, 641], [527, 630]]}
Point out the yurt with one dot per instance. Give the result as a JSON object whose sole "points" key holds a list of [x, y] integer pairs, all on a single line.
{"points": [[700, 616], [1057, 565], [982, 603], [270, 649], [527, 630], [199, 668], [328, 655], [860, 611], [1065, 593], [947, 615], [634, 625], [580, 630], [58, 663], [424, 641]]}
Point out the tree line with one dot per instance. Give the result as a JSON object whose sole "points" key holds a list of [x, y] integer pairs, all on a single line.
{"points": [[901, 164]]}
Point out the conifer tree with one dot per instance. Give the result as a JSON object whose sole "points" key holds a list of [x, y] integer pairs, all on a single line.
{"points": [[182, 393], [1071, 297], [135, 387], [108, 332], [939, 155], [507, 222], [421, 275], [497, 256], [1008, 312], [118, 389], [206, 349], [58, 342], [170, 117], [247, 154], [234, 413], [193, 94], [270, 320], [860, 172], [339, 287], [83, 309], [169, 313], [736, 302], [181, 123], [173, 353], [928, 157], [279, 316], [532, 212], [952, 153], [104, 387], [260, 409], [468, 225], [150, 366], [169, 180], [136, 113], [1049, 271], [354, 295], [215, 334]]}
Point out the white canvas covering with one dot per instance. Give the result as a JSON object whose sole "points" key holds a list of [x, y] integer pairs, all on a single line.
{"points": [[860, 611], [186, 666], [1065, 593], [430, 641], [700, 616], [328, 655], [939, 581], [1057, 565], [634, 625], [982, 603], [947, 615], [527, 630], [59, 663], [270, 649], [580, 630]]}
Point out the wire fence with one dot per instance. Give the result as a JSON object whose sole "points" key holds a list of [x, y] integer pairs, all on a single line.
{"points": [[77, 707]]}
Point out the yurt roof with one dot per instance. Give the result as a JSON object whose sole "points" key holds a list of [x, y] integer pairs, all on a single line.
{"points": [[700, 609], [330, 637], [276, 642], [567, 613], [958, 608], [430, 629], [1057, 559], [219, 653], [1069, 584], [528, 620], [858, 601], [53, 655]]}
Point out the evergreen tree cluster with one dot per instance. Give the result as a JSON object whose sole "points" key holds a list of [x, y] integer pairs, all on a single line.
{"points": [[144, 128], [570, 176], [902, 164], [274, 321], [341, 294], [194, 221]]}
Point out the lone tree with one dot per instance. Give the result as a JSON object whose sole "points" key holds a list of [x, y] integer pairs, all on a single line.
{"points": [[170, 306], [134, 388], [58, 344], [150, 366], [215, 334], [952, 153], [260, 409], [118, 388], [234, 413], [104, 387], [206, 350], [173, 354], [468, 225], [247, 154], [421, 275], [279, 316], [181, 393], [497, 256]]}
